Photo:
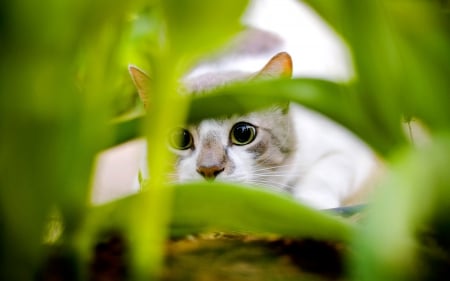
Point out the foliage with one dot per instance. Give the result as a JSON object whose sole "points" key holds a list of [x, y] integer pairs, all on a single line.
{"points": [[63, 78]]}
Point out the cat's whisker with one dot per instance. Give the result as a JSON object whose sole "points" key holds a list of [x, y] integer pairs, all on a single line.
{"points": [[269, 184], [278, 174], [276, 166], [274, 176], [273, 168]]}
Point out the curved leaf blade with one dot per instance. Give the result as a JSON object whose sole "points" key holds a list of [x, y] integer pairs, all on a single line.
{"points": [[235, 208], [241, 208]]}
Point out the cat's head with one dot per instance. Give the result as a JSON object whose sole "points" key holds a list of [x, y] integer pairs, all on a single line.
{"points": [[249, 148]]}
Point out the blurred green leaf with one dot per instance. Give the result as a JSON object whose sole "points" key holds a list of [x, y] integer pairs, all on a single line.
{"points": [[415, 193], [126, 130], [337, 101], [400, 52], [54, 103], [196, 26]]}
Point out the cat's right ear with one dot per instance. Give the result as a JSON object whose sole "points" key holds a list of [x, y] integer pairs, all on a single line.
{"points": [[142, 82], [279, 66]]}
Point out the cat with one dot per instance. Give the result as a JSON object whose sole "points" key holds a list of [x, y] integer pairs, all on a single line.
{"points": [[288, 148]]}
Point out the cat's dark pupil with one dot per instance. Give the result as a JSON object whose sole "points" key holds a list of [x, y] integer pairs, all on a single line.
{"points": [[243, 133]]}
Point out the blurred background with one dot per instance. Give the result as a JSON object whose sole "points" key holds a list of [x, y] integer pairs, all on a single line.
{"points": [[66, 96]]}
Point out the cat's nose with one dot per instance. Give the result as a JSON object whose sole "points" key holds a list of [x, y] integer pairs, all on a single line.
{"points": [[210, 172]]}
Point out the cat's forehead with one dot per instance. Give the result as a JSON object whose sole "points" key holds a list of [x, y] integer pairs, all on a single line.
{"points": [[212, 125], [262, 118], [216, 127]]}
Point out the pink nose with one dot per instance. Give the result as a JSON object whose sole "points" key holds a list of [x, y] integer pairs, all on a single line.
{"points": [[211, 172]]}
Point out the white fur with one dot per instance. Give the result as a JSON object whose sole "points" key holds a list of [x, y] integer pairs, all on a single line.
{"points": [[335, 163]]}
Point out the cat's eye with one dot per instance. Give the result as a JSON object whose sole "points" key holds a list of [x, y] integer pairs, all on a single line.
{"points": [[181, 139], [242, 133]]}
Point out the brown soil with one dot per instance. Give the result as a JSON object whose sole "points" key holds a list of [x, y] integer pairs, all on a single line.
{"points": [[229, 257]]}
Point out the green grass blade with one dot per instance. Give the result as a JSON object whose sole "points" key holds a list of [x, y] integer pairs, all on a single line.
{"points": [[185, 30]]}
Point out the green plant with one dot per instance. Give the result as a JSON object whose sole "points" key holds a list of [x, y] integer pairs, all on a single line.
{"points": [[63, 73]]}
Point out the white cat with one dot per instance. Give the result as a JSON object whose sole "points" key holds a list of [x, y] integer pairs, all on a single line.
{"points": [[289, 149]]}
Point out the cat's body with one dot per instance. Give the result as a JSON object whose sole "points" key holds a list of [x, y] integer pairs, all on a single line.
{"points": [[292, 150]]}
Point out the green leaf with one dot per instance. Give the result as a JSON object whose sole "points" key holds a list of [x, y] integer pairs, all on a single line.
{"points": [[337, 101], [126, 130], [400, 53], [250, 209], [217, 206], [196, 26], [414, 196]]}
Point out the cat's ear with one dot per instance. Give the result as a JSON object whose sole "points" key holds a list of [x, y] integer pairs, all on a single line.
{"points": [[142, 82], [279, 66]]}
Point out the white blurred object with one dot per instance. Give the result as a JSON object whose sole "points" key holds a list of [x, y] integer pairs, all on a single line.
{"points": [[116, 171], [314, 47]]}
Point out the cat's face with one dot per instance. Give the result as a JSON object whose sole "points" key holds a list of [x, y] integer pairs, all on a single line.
{"points": [[247, 149], [250, 149]]}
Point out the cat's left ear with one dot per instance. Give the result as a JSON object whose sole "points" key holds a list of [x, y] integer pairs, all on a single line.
{"points": [[142, 82], [279, 66]]}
